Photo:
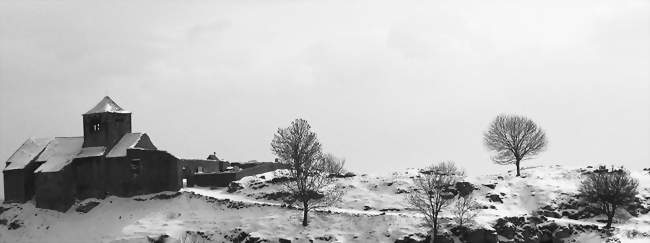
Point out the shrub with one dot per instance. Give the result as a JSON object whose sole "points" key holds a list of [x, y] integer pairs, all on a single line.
{"points": [[333, 165], [434, 191], [465, 209], [611, 189]]}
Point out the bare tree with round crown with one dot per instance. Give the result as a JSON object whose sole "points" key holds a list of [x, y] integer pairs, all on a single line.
{"points": [[514, 139]]}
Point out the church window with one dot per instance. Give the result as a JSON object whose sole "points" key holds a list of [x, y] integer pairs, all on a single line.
{"points": [[95, 126], [135, 167]]}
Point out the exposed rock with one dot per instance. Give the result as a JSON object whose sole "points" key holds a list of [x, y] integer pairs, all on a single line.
{"points": [[562, 232], [551, 214], [236, 205], [536, 219], [509, 231], [494, 198], [491, 186], [444, 239], [530, 233], [159, 239], [583, 227], [413, 238], [400, 191], [234, 186], [15, 224], [3, 209], [390, 209], [637, 207], [366, 208], [283, 240], [346, 175], [278, 196], [326, 238], [464, 188], [422, 238], [197, 236], [254, 239], [237, 235], [165, 196], [459, 230], [281, 179], [529, 230], [488, 207], [84, 208], [508, 226], [481, 235], [258, 185]]}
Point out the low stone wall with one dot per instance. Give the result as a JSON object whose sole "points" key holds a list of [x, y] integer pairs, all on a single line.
{"points": [[259, 169], [224, 178], [212, 179]]}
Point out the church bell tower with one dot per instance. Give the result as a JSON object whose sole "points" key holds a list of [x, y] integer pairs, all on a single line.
{"points": [[105, 124]]}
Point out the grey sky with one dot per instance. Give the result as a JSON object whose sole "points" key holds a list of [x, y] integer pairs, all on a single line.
{"points": [[386, 84]]}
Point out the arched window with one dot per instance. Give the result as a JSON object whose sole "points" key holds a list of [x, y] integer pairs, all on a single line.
{"points": [[95, 125]]}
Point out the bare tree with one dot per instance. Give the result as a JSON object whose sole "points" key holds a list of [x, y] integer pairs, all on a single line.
{"points": [[434, 191], [333, 165], [465, 209], [611, 189], [298, 147], [514, 138]]}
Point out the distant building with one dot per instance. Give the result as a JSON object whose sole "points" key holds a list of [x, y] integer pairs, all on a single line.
{"points": [[108, 160], [213, 156], [212, 164]]}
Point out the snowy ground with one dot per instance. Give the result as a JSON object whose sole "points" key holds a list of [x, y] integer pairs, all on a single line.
{"points": [[372, 210]]}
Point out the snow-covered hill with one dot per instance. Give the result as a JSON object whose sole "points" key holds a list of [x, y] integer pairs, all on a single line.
{"points": [[373, 209]]}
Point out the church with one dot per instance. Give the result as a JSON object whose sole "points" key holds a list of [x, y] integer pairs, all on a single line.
{"points": [[109, 159]]}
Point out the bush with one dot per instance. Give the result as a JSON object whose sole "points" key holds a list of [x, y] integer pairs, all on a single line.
{"points": [[434, 191], [465, 209], [611, 189], [333, 165]]}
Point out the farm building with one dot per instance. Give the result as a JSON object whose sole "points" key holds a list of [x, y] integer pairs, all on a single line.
{"points": [[213, 172], [234, 172], [108, 160], [189, 167]]}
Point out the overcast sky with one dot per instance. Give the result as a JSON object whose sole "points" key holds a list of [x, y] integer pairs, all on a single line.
{"points": [[385, 84]]}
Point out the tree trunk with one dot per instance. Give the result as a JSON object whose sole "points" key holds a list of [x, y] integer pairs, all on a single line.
{"points": [[435, 230], [517, 163], [610, 217], [304, 210], [609, 222]]}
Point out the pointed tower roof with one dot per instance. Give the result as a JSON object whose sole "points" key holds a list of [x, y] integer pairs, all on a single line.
{"points": [[106, 105]]}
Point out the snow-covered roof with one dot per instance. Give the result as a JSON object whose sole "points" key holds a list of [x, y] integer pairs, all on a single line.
{"points": [[130, 141], [106, 105], [27, 152], [91, 152], [59, 153]]}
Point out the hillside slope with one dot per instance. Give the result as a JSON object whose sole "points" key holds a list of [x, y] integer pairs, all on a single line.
{"points": [[373, 209]]}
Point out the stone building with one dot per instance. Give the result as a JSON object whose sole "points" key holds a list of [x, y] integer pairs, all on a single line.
{"points": [[108, 160]]}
